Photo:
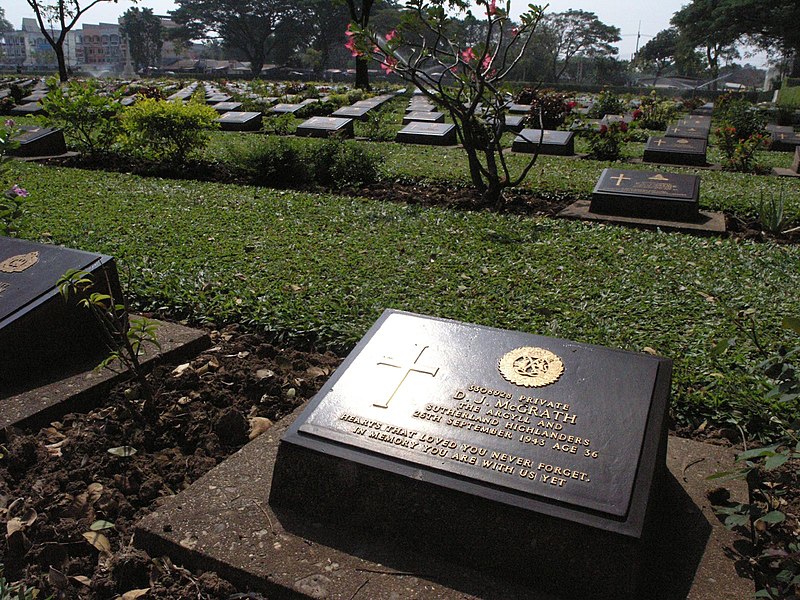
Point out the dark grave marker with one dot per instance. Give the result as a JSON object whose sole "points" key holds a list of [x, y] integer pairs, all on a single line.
{"points": [[558, 143], [610, 119], [420, 107], [785, 142], [421, 435], [217, 98], [773, 129], [41, 334], [794, 171], [675, 151], [31, 108], [223, 107], [697, 121], [432, 134], [240, 121], [706, 110], [39, 141], [286, 108], [424, 116], [514, 123], [647, 195], [325, 127], [694, 133], [34, 97], [518, 108], [353, 112]]}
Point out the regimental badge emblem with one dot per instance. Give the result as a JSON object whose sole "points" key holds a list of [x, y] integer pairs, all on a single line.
{"points": [[531, 367], [17, 264]]}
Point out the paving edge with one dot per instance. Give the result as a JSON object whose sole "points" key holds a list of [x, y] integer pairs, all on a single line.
{"points": [[224, 523], [80, 391], [714, 226]]}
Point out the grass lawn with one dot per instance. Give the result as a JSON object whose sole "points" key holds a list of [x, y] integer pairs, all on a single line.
{"points": [[321, 267]]}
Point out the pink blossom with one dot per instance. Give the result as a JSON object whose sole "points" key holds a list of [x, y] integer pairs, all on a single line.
{"points": [[18, 191], [391, 35], [389, 64], [487, 62], [492, 7], [349, 32], [468, 55], [515, 31], [9, 123], [351, 45]]}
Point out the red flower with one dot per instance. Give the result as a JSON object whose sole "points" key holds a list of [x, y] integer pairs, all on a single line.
{"points": [[623, 126], [603, 129], [389, 64], [637, 114]]}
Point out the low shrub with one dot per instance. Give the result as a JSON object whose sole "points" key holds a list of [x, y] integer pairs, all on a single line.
{"points": [[655, 114], [88, 115], [606, 143], [739, 152], [548, 107], [170, 131], [282, 124], [379, 126], [741, 115], [285, 162], [607, 103]]}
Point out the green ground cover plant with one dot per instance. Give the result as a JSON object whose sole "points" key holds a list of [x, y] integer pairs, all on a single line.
{"points": [[320, 268]]}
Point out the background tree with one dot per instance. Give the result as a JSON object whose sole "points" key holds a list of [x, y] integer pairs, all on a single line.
{"points": [[143, 31], [660, 51], [63, 14], [575, 33], [701, 24], [250, 28], [5, 25], [359, 14], [772, 26]]}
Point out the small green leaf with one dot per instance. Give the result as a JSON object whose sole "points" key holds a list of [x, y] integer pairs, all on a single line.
{"points": [[123, 451], [774, 516], [100, 525], [732, 521], [773, 462]]}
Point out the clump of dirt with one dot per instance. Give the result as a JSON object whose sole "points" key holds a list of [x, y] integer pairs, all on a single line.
{"points": [[71, 493]]}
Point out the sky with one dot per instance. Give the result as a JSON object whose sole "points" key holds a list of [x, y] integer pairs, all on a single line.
{"points": [[647, 16]]}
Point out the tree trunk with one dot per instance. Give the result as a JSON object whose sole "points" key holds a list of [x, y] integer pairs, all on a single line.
{"points": [[362, 73], [63, 75], [255, 68]]}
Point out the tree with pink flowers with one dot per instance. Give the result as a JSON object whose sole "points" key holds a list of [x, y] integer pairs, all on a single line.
{"points": [[464, 81]]}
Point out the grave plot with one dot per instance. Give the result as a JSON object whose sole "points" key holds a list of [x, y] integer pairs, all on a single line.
{"points": [[690, 132], [697, 121], [705, 111], [31, 108], [515, 123], [432, 134], [610, 119], [518, 108], [559, 143], [285, 108], [128, 100], [794, 171], [647, 199], [676, 151], [223, 107], [326, 127], [423, 116], [785, 142], [39, 141], [420, 107], [360, 113], [418, 445], [217, 98], [240, 121], [40, 332]]}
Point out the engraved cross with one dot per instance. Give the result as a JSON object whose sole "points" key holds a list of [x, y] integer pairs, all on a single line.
{"points": [[659, 142], [620, 178], [406, 369]]}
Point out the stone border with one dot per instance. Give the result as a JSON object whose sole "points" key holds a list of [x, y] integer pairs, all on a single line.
{"points": [[713, 226], [80, 391], [224, 523]]}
